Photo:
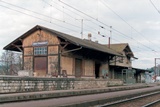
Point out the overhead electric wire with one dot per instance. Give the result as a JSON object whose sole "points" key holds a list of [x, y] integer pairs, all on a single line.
{"points": [[46, 20], [38, 18], [79, 15], [104, 3], [105, 24], [154, 6], [56, 8], [39, 13], [83, 13], [71, 16], [31, 11], [76, 14]]}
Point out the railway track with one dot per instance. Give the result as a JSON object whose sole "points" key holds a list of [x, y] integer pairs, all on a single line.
{"points": [[153, 104], [146, 100]]}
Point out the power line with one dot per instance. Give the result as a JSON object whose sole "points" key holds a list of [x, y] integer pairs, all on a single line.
{"points": [[79, 15], [57, 8], [154, 6], [30, 11], [45, 20], [104, 3], [105, 24], [38, 13], [38, 18], [70, 15]]}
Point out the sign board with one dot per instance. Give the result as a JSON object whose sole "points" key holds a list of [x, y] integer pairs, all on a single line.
{"points": [[39, 43]]}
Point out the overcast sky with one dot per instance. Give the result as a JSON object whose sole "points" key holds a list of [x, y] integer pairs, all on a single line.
{"points": [[136, 22]]}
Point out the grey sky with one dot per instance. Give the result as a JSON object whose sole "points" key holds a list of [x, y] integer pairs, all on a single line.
{"points": [[137, 22]]}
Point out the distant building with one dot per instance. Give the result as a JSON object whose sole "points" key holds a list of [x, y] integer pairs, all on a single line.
{"points": [[118, 63]]}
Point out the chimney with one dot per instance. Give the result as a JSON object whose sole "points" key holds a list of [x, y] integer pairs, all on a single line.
{"points": [[89, 36], [109, 42]]}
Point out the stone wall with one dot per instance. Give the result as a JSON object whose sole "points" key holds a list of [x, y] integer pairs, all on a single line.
{"points": [[12, 84]]}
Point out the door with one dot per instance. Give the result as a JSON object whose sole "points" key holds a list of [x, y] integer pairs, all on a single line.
{"points": [[40, 66], [78, 68], [97, 68]]}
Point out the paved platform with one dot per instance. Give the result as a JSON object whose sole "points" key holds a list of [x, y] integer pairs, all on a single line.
{"points": [[15, 97]]}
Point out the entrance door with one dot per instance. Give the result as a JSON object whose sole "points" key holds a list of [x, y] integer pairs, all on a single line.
{"points": [[40, 66], [97, 67], [78, 68]]}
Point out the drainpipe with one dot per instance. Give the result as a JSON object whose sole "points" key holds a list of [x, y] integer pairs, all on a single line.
{"points": [[109, 40]]}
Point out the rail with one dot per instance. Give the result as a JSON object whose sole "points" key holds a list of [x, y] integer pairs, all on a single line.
{"points": [[152, 103], [129, 99]]}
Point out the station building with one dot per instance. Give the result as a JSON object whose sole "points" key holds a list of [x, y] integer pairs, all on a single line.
{"points": [[47, 52]]}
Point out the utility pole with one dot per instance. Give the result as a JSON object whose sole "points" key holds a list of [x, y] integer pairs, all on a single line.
{"points": [[155, 64], [81, 28], [155, 67], [82, 20], [110, 34]]}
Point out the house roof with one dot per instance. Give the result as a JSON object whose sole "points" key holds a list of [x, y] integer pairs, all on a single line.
{"points": [[67, 37], [121, 47]]}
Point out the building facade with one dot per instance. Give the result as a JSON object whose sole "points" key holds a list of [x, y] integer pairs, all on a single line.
{"points": [[47, 52], [119, 63]]}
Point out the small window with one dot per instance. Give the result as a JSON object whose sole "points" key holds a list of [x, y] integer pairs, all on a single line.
{"points": [[40, 51]]}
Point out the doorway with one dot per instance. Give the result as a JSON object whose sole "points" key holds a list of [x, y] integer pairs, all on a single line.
{"points": [[40, 66], [78, 68], [97, 69]]}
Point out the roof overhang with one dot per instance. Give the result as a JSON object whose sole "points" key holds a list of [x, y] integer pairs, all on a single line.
{"points": [[16, 45]]}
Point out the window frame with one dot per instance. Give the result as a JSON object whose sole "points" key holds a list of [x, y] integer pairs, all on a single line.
{"points": [[40, 51]]}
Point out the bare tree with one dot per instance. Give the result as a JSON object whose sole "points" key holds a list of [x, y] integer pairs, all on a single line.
{"points": [[11, 63]]}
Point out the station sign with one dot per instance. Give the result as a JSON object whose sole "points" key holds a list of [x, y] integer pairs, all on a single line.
{"points": [[40, 43]]}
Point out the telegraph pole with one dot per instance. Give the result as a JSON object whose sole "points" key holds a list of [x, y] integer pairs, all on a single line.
{"points": [[110, 34], [155, 67], [82, 20], [81, 28]]}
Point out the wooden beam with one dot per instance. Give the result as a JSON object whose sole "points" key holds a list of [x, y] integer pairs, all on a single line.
{"points": [[18, 47], [64, 43], [21, 40]]}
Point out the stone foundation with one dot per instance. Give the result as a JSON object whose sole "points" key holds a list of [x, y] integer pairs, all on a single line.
{"points": [[12, 84]]}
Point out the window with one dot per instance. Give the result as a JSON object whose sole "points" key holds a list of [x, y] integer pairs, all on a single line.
{"points": [[40, 51]]}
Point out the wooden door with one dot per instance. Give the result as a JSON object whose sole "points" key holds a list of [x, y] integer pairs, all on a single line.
{"points": [[40, 66], [78, 68]]}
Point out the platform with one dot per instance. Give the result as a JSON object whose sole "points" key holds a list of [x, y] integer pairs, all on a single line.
{"points": [[14, 97]]}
